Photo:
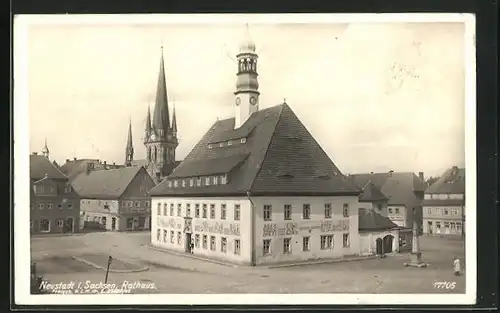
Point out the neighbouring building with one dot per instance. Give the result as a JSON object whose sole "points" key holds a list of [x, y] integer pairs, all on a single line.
{"points": [[444, 204], [404, 192], [55, 206], [73, 168], [378, 234], [115, 199], [256, 189]]}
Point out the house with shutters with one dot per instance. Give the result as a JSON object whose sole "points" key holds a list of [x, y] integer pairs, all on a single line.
{"points": [[444, 204], [115, 199], [54, 205], [257, 188]]}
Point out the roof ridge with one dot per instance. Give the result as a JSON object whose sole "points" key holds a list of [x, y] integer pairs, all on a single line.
{"points": [[268, 146]]}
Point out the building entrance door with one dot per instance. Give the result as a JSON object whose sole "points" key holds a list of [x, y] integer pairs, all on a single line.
{"points": [[69, 224], [113, 223], [188, 246]]}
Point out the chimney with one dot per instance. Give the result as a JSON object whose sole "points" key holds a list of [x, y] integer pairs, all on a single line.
{"points": [[74, 159], [35, 153], [104, 162], [421, 176], [67, 160], [390, 172], [371, 173]]}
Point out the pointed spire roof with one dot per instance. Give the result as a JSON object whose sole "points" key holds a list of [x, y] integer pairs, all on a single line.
{"points": [[148, 120], [247, 45], [130, 146], [174, 121], [45, 149], [161, 119]]}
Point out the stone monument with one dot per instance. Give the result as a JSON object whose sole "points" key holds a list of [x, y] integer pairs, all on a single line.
{"points": [[415, 255]]}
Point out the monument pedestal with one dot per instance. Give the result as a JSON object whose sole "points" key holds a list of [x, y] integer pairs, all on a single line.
{"points": [[416, 260]]}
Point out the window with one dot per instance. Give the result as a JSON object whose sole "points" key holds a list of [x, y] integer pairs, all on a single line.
{"points": [[40, 206], [188, 209], [453, 227], [221, 144], [267, 212], [223, 245], [266, 247], [158, 234], [60, 223], [216, 180], [287, 247], [445, 211], [197, 240], [459, 227], [196, 210], [191, 182], [390, 210], [137, 204], [165, 235], [306, 211], [209, 146], [305, 244], [243, 140], [183, 183], [179, 209], [212, 243], [172, 236], [345, 210], [328, 210], [49, 206], [236, 212], [204, 211], [204, 241], [438, 225], [60, 207], [171, 209], [169, 184], [44, 226], [229, 143], [429, 211], [198, 181], [237, 246], [345, 240], [103, 220], [222, 211], [70, 205], [176, 183], [67, 189], [287, 210], [223, 179], [165, 211], [178, 237], [207, 181], [397, 210], [326, 242], [212, 211]]}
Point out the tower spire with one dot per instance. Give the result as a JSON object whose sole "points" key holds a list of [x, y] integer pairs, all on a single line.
{"points": [[129, 151], [161, 119], [45, 150], [148, 125], [174, 122]]}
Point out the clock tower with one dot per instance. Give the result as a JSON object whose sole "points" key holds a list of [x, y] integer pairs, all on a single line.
{"points": [[161, 134], [247, 85]]}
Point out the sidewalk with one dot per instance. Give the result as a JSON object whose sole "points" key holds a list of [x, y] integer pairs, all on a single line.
{"points": [[58, 234], [195, 257], [322, 261]]}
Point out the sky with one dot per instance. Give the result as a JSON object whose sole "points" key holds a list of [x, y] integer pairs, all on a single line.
{"points": [[376, 97]]}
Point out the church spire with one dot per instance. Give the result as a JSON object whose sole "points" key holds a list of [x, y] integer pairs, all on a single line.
{"points": [[161, 119], [45, 150], [129, 151], [174, 123], [148, 125]]}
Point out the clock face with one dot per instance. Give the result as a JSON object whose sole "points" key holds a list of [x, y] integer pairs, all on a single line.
{"points": [[253, 100], [153, 137], [238, 101]]}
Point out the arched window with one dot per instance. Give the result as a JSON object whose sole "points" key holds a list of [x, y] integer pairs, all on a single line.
{"points": [[155, 154]]}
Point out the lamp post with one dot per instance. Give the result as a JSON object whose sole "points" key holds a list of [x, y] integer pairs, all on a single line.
{"points": [[110, 259]]}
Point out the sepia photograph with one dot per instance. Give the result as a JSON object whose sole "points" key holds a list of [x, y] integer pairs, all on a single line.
{"points": [[245, 158]]}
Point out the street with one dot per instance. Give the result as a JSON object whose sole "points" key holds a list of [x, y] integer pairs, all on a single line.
{"points": [[181, 274]]}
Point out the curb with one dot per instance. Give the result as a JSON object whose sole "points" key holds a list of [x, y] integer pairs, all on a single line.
{"points": [[323, 262], [34, 236], [142, 269], [192, 256]]}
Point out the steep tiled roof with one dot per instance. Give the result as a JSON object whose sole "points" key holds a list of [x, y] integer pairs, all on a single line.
{"points": [[370, 220], [73, 168], [451, 182], [105, 184], [40, 167], [142, 162], [371, 193], [398, 187], [281, 158]]}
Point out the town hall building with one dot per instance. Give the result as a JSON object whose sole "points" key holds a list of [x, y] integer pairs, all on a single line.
{"points": [[257, 188]]}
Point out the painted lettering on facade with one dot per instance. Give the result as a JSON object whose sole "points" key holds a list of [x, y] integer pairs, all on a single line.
{"points": [[269, 230], [291, 228], [337, 225], [168, 223], [218, 228], [288, 229]]}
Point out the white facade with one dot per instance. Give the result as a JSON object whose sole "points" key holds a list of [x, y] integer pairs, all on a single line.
{"points": [[443, 220], [368, 241], [398, 215], [256, 230]]}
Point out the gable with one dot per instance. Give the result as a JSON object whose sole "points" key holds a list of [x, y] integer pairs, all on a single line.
{"points": [[451, 182], [40, 167], [139, 186]]}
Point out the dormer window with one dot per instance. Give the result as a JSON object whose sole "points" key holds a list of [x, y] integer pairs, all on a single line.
{"points": [[221, 144], [223, 179], [216, 180], [210, 146], [176, 183], [243, 140], [183, 183], [230, 143], [198, 181], [67, 189], [169, 184], [191, 182], [207, 181]]}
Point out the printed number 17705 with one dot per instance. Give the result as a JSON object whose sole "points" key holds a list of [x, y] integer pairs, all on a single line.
{"points": [[445, 284]]}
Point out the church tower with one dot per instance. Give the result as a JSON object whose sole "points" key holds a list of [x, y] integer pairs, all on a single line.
{"points": [[160, 136], [247, 85], [129, 150], [45, 150]]}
